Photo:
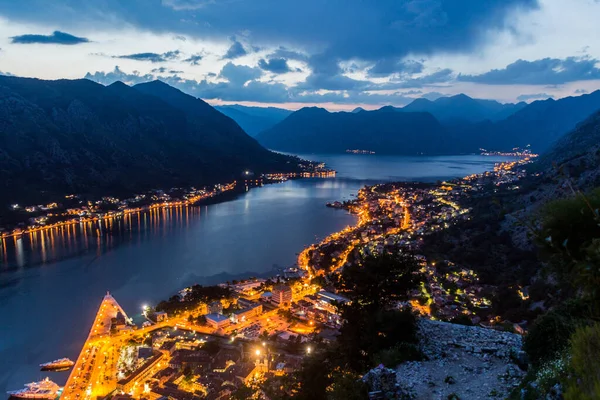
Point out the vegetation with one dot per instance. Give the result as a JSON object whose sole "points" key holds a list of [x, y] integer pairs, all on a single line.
{"points": [[198, 294], [585, 364], [374, 331]]}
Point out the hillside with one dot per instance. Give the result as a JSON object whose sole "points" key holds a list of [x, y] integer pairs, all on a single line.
{"points": [[383, 131], [77, 136], [540, 124], [463, 108], [450, 125], [254, 119]]}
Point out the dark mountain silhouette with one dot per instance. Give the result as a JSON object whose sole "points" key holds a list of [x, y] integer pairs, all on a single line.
{"points": [[77, 136], [254, 119], [463, 108], [358, 109], [383, 131], [539, 124], [582, 143]]}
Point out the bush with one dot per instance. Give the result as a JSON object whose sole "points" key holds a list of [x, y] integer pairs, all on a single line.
{"points": [[548, 336], [585, 363], [398, 354]]}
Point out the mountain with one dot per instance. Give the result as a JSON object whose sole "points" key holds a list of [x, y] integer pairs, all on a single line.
{"points": [[315, 129], [254, 119], [358, 109], [539, 124], [77, 136], [580, 146], [463, 108]]}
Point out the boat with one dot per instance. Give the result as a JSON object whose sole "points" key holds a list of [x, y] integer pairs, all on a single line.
{"points": [[60, 364], [45, 389]]}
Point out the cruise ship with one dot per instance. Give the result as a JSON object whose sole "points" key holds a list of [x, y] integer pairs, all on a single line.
{"points": [[45, 389], [60, 364]]}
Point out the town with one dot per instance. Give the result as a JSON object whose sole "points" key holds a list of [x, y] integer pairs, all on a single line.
{"points": [[211, 342], [74, 209]]}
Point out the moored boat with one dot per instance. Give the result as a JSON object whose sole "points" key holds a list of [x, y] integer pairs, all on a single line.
{"points": [[45, 389], [60, 364]]}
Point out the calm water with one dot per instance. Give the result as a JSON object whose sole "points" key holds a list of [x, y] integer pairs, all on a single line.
{"points": [[51, 286]]}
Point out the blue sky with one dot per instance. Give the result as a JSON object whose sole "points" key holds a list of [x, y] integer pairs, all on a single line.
{"points": [[336, 53]]}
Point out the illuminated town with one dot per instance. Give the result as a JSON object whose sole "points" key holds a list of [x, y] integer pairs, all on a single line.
{"points": [[75, 210], [208, 342]]}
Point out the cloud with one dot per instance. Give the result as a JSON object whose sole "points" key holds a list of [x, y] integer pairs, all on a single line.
{"points": [[236, 50], [367, 30], [242, 85], [581, 91], [535, 96], [275, 65], [6, 74], [162, 70], [389, 66], [193, 59], [180, 5], [106, 78], [152, 57], [239, 74], [433, 95], [547, 71], [283, 52], [57, 37]]}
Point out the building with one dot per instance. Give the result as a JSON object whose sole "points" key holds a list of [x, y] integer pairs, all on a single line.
{"points": [[215, 307], [246, 313], [217, 321], [142, 373], [282, 295], [161, 316]]}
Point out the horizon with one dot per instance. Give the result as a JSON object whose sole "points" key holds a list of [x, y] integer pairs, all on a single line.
{"points": [[291, 55]]}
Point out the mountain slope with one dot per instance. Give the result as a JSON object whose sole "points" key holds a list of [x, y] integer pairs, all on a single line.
{"points": [[254, 119], [583, 143], [463, 108], [383, 131], [78, 136]]}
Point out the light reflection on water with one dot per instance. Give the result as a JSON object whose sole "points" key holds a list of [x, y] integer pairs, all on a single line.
{"points": [[52, 282]]}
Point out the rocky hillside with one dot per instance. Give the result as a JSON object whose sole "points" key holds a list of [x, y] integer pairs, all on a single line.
{"points": [[463, 362], [77, 136]]}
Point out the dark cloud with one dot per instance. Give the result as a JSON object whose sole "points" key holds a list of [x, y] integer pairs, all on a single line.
{"points": [[194, 59], [242, 85], [581, 91], [238, 75], [547, 71], [534, 96], [152, 57], [366, 30], [6, 73], [162, 70], [288, 54], [389, 66], [442, 76], [275, 65], [57, 37], [236, 50]]}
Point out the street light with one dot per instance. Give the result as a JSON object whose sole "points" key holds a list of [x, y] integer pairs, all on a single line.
{"points": [[257, 353], [308, 350]]}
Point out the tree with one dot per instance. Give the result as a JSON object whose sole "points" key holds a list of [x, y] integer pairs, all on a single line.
{"points": [[379, 281]]}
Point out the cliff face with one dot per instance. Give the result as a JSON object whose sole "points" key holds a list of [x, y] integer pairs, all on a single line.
{"points": [[82, 137]]}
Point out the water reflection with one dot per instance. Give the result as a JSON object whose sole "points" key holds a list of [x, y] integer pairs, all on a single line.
{"points": [[46, 246]]}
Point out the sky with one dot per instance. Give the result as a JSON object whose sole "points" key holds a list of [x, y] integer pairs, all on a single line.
{"points": [[339, 54]]}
